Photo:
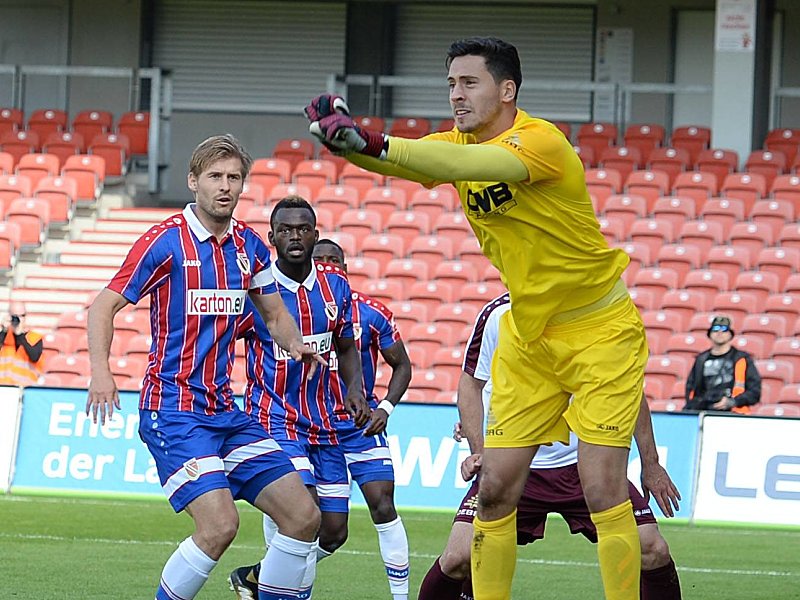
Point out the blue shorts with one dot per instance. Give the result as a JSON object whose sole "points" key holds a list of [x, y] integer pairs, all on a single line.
{"points": [[323, 467], [197, 453], [367, 458]]}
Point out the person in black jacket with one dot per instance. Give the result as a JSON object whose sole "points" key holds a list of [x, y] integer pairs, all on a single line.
{"points": [[723, 377]]}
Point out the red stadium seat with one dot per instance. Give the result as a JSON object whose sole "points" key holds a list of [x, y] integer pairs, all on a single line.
{"points": [[372, 123], [89, 171], [359, 268], [407, 269], [603, 183], [710, 281], [432, 249], [383, 247], [792, 283], [731, 259], [665, 405], [651, 185], [479, 293], [385, 200], [60, 193], [692, 138], [736, 304], [660, 324], [787, 349], [282, 190], [753, 345], [33, 218], [126, 366], [652, 232], [773, 213], [787, 187], [359, 223], [13, 187], [359, 178], [644, 299], [68, 364], [776, 410], [293, 150], [564, 128], [696, 185], [671, 161], [748, 187], [781, 261], [686, 346], [626, 208], [761, 284], [410, 127], [46, 121], [766, 326], [681, 258], [768, 163], [718, 162], [408, 225], [702, 234], [434, 202], [469, 249], [37, 166], [586, 154], [431, 382], [115, 149], [64, 144], [787, 305], [775, 374], [751, 236], [431, 336], [725, 211], [17, 143], [449, 361], [622, 159], [409, 187], [315, 174], [677, 210], [456, 272], [783, 140], [11, 119], [644, 137], [6, 164], [93, 123], [701, 321], [455, 314], [431, 293], [269, 172], [135, 125], [597, 135], [613, 230], [408, 313], [684, 304], [639, 253], [790, 395], [337, 198], [667, 369], [385, 290], [658, 281]]}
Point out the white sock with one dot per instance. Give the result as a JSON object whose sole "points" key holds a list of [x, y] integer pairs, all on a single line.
{"points": [[283, 568], [270, 529], [311, 570], [186, 571], [394, 551]]}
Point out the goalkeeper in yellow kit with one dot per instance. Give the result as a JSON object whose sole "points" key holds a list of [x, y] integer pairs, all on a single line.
{"points": [[572, 329]]}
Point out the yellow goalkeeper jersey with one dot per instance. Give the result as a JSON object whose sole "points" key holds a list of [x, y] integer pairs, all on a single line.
{"points": [[542, 233]]}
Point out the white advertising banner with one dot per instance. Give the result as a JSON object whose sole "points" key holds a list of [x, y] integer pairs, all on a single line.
{"points": [[736, 26], [749, 471], [9, 428]]}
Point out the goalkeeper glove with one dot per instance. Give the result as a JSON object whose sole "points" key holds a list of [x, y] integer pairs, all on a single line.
{"points": [[339, 131], [325, 105]]}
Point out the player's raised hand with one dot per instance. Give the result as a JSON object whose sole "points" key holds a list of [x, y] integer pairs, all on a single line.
{"points": [[656, 481], [103, 397], [325, 105], [305, 353], [340, 132], [471, 466]]}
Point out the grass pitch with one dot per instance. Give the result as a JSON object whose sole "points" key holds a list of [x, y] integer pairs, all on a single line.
{"points": [[82, 549]]}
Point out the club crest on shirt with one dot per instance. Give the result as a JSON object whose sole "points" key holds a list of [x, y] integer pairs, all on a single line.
{"points": [[331, 310], [243, 262], [192, 469], [357, 330]]}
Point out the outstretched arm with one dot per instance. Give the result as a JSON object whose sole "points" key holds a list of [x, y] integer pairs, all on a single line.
{"points": [[655, 479]]}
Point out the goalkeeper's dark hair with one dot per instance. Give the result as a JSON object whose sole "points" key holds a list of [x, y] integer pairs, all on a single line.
{"points": [[292, 202], [502, 59], [330, 242]]}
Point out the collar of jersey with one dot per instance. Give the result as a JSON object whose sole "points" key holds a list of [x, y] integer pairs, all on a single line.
{"points": [[200, 232], [291, 284]]}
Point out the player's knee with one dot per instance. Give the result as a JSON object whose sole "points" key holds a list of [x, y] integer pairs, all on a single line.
{"points": [[494, 494], [454, 562], [382, 507], [302, 522], [216, 535], [333, 537], [655, 552]]}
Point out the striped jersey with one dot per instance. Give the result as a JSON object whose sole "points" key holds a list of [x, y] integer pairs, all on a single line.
{"points": [[290, 405], [374, 330], [478, 363], [198, 287]]}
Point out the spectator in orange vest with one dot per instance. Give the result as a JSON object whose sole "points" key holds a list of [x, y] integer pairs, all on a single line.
{"points": [[20, 350], [723, 377]]}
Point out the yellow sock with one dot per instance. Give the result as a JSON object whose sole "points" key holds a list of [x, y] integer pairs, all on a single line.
{"points": [[494, 557], [618, 551]]}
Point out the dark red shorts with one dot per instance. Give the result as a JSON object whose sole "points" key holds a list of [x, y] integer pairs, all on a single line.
{"points": [[553, 491]]}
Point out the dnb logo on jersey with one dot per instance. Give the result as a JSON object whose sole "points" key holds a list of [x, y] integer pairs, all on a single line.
{"points": [[243, 262], [494, 199]]}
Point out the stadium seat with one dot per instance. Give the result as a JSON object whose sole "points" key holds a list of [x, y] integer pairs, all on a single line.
{"points": [[622, 159], [432, 249], [408, 270], [666, 368], [469, 249], [639, 253], [315, 174], [360, 268], [789, 237], [759, 283], [644, 299], [385, 290], [775, 374], [787, 305], [790, 395], [700, 322], [457, 272], [441, 199], [13, 187], [37, 166], [408, 313], [773, 213], [126, 366], [597, 135], [683, 304], [751, 236], [731, 259], [653, 388], [337, 198], [431, 382], [696, 185], [431, 293], [651, 185], [613, 230], [135, 321], [456, 314], [46, 121], [409, 187], [93, 123], [282, 190], [410, 127], [408, 225], [564, 128], [680, 258], [383, 247], [735, 304], [135, 125], [477, 294], [17, 143], [138, 346], [431, 336], [625, 208], [644, 137], [767, 163], [784, 140], [61, 194], [293, 150], [792, 283], [725, 211], [371, 122], [718, 162], [6, 164], [338, 161], [702, 234], [660, 324], [258, 217], [709, 281], [776, 410], [787, 349], [601, 184], [787, 187], [115, 149], [359, 178], [446, 125], [254, 192], [359, 222], [89, 172], [269, 172], [64, 144], [10, 242], [385, 200], [671, 161], [655, 280], [748, 187], [686, 346], [692, 138], [652, 232], [454, 225], [768, 327], [781, 261], [11, 119], [675, 209], [751, 344], [33, 217], [57, 342], [449, 362], [586, 154], [68, 364], [665, 405]]}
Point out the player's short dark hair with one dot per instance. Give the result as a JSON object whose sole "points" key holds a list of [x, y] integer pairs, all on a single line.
{"points": [[219, 147], [330, 242], [502, 59], [292, 202]]}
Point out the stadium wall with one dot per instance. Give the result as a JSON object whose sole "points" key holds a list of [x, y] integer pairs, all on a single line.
{"points": [[728, 468]]}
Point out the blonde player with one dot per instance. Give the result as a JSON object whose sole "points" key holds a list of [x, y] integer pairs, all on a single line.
{"points": [[572, 328]]}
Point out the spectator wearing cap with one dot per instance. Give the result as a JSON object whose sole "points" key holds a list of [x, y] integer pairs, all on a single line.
{"points": [[20, 350], [723, 377]]}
